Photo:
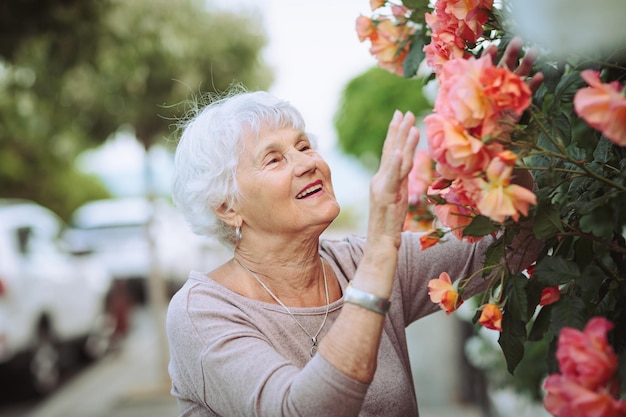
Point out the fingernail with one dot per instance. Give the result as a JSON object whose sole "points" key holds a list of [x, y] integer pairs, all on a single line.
{"points": [[397, 114]]}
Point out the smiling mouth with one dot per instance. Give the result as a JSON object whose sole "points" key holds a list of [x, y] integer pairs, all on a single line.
{"points": [[312, 189]]}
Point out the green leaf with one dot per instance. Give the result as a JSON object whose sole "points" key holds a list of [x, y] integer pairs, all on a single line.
{"points": [[541, 324], [494, 254], [480, 226], [547, 221], [590, 282], [512, 339], [515, 296], [599, 222], [568, 86], [555, 270], [415, 56], [568, 312], [533, 296]]}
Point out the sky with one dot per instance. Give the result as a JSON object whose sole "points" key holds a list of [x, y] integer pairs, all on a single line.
{"points": [[314, 51]]}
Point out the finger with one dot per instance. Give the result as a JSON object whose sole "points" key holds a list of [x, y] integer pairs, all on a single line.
{"points": [[511, 54], [527, 63], [535, 81], [392, 130], [408, 153]]}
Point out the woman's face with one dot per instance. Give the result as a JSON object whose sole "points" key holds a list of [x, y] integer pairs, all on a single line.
{"points": [[285, 184]]}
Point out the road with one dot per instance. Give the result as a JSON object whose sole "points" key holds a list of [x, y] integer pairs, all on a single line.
{"points": [[127, 382]]}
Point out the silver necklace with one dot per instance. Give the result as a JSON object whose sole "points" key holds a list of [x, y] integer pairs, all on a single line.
{"points": [[313, 338]]}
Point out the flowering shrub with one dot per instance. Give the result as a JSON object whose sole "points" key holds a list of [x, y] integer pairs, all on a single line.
{"points": [[489, 128]]}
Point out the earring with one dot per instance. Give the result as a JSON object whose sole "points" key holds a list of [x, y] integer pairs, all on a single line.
{"points": [[238, 235]]}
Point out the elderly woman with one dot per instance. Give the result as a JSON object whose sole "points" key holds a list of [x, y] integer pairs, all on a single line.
{"points": [[294, 324]]}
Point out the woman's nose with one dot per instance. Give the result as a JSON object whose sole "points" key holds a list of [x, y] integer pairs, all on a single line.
{"points": [[304, 163]]}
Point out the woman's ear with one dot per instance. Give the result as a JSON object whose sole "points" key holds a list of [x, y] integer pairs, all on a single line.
{"points": [[228, 215]]}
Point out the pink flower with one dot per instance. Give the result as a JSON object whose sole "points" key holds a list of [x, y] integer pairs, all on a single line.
{"points": [[588, 384], [586, 357], [459, 211], [420, 177], [566, 398], [462, 94], [364, 27], [454, 25], [602, 106]]}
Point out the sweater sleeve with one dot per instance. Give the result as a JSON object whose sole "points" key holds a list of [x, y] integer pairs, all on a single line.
{"points": [[222, 364], [459, 259]]}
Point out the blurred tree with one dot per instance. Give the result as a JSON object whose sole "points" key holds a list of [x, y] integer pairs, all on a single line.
{"points": [[367, 104], [79, 72]]}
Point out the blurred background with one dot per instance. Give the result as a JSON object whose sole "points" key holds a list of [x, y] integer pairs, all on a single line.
{"points": [[91, 247]]}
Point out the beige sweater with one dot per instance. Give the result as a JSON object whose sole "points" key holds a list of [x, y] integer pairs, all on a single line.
{"points": [[232, 356]]}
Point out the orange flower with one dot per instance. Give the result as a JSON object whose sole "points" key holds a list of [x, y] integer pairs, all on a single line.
{"points": [[491, 317], [443, 292], [375, 4], [390, 44], [602, 106], [550, 295], [430, 238], [500, 198]]}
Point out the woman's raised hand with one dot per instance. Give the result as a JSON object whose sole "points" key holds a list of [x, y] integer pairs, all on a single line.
{"points": [[510, 60], [389, 186]]}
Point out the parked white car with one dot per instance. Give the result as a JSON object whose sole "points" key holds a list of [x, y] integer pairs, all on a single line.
{"points": [[134, 237], [51, 301]]}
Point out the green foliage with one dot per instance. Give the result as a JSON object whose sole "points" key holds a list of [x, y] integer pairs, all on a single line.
{"points": [[75, 72], [367, 103]]}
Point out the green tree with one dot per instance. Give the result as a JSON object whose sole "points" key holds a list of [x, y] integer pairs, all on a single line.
{"points": [[367, 103], [62, 92]]}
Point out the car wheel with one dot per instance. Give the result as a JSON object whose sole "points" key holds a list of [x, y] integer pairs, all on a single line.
{"points": [[45, 364], [100, 340]]}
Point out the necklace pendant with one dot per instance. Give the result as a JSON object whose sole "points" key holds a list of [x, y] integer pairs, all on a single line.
{"points": [[313, 346]]}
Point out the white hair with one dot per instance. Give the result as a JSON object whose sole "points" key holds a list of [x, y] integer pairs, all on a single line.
{"points": [[207, 155]]}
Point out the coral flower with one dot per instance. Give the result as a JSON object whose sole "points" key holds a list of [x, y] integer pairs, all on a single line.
{"points": [[390, 44], [456, 152], [364, 27], [602, 106], [500, 198], [442, 292], [550, 295], [588, 382], [565, 398], [491, 317], [586, 356]]}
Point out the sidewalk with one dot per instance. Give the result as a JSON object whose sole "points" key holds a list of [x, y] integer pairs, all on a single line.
{"points": [[126, 383], [129, 383]]}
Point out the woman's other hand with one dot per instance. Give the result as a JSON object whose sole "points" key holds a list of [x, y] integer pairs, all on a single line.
{"points": [[389, 188]]}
